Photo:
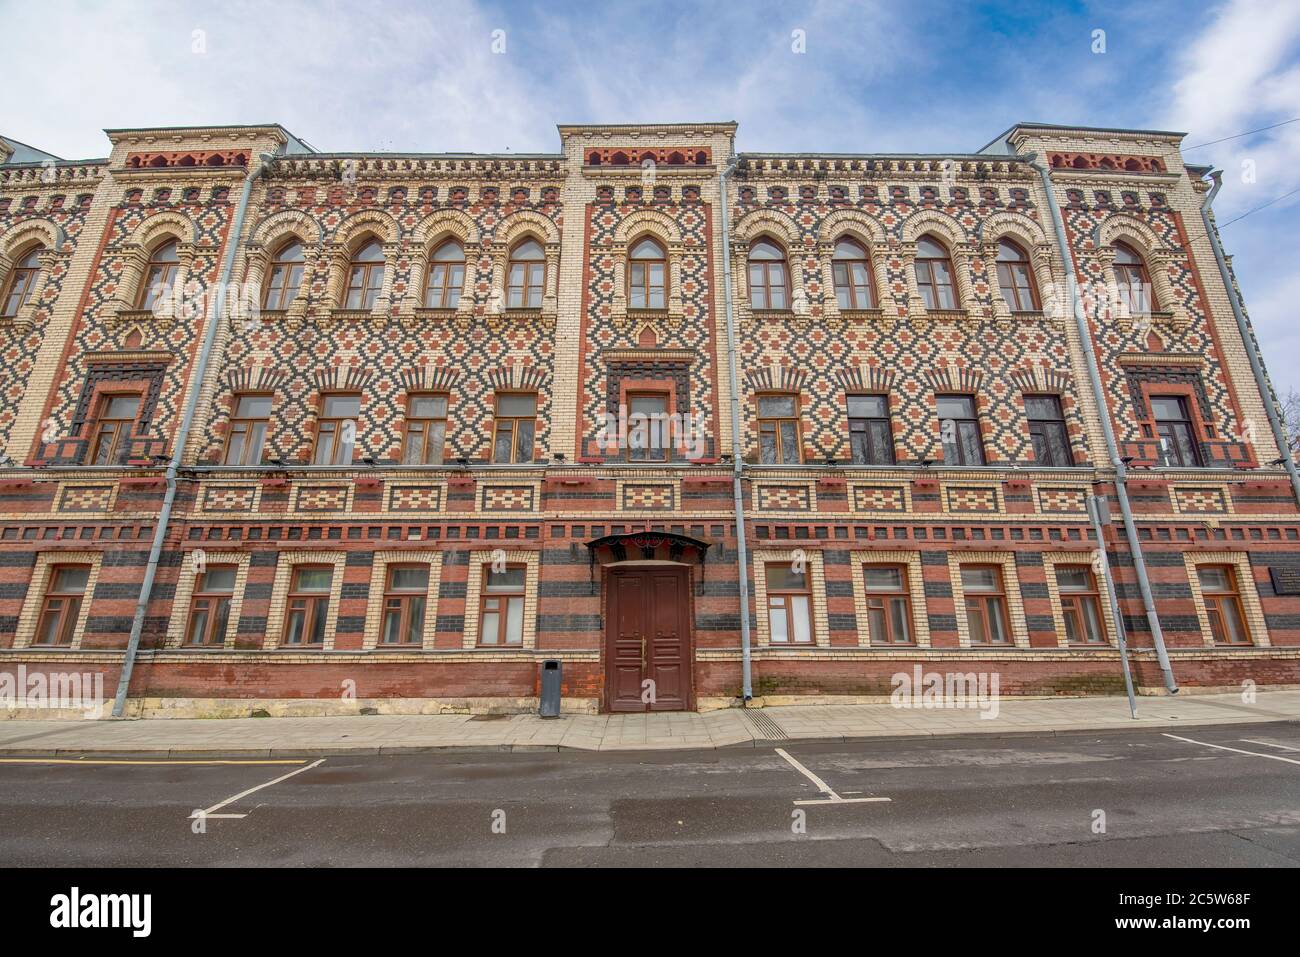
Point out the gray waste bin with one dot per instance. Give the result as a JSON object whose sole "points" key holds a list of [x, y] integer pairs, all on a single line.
{"points": [[550, 700]]}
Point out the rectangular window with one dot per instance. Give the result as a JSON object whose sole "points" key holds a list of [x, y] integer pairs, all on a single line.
{"points": [[1080, 605], [1178, 445], [1222, 599], [889, 607], [405, 595], [210, 608], [111, 439], [779, 440], [248, 429], [1047, 431], [516, 421], [986, 605], [62, 606], [871, 441], [959, 430], [789, 604], [501, 607], [648, 438], [309, 605], [336, 430], [426, 430]]}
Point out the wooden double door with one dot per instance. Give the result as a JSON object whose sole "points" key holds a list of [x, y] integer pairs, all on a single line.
{"points": [[648, 640]]}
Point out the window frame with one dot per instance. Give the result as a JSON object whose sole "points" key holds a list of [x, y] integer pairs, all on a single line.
{"points": [[20, 274], [651, 454], [450, 287], [316, 607], [887, 598], [1039, 427], [779, 598], [367, 289], [514, 421], [1074, 603], [973, 422], [1186, 420], [213, 599], [1214, 602], [425, 422], [928, 283], [336, 430], [404, 599], [166, 270], [889, 457], [248, 425], [849, 286], [530, 268], [287, 291], [1125, 273], [1007, 274], [68, 614], [763, 420], [505, 599], [766, 265], [647, 287], [983, 600], [122, 428]]}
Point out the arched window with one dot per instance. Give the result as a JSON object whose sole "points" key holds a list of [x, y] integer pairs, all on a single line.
{"points": [[21, 281], [1133, 280], [527, 275], [365, 276], [646, 270], [934, 274], [160, 277], [768, 277], [446, 276], [852, 272], [286, 276], [1016, 278]]}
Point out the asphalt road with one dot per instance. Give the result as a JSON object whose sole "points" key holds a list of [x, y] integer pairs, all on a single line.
{"points": [[954, 801]]}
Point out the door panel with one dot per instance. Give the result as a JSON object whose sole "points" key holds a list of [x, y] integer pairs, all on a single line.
{"points": [[648, 637]]}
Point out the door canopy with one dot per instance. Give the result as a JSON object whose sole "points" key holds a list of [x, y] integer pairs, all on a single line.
{"points": [[645, 546]]}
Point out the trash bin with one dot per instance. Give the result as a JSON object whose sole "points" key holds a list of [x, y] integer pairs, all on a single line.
{"points": [[550, 699]]}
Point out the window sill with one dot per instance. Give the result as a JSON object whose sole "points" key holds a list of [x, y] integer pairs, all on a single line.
{"points": [[1027, 314], [429, 312], [861, 313], [948, 314], [772, 313], [351, 313]]}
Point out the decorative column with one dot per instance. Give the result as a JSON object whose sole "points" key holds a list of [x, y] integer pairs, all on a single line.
{"points": [[469, 288], [384, 301], [125, 295], [963, 255], [1001, 308], [830, 302], [26, 316], [915, 304], [551, 294]]}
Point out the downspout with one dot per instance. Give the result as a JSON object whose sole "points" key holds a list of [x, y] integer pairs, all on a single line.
{"points": [[1112, 448], [1248, 340], [182, 438], [738, 494]]}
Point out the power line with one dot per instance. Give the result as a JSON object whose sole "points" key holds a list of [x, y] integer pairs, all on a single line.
{"points": [[1258, 208], [1237, 136]]}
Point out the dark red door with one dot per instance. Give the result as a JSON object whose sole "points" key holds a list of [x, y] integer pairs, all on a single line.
{"points": [[648, 640]]}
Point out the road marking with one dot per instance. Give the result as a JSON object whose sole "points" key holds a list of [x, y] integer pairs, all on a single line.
{"points": [[243, 794], [130, 762], [825, 788], [1221, 747], [1270, 744]]}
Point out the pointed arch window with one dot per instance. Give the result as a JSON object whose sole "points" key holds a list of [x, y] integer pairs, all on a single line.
{"points": [[446, 276], [1016, 278], [647, 272], [18, 291], [851, 269], [160, 276], [769, 277], [286, 276], [1133, 280], [365, 276], [527, 275], [934, 274]]}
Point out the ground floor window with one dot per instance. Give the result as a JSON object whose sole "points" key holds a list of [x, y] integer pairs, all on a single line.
{"points": [[789, 604]]}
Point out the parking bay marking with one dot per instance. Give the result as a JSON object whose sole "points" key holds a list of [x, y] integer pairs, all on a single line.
{"points": [[211, 812], [1270, 744], [1222, 747], [138, 763], [824, 787]]}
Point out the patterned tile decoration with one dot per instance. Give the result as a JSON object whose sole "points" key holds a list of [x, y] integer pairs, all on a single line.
{"points": [[783, 498], [229, 498], [97, 331], [971, 498], [879, 498], [911, 359], [1092, 221], [1057, 500], [1200, 500], [507, 498], [86, 498], [645, 496], [384, 357], [683, 221], [322, 498], [414, 498], [19, 346]]}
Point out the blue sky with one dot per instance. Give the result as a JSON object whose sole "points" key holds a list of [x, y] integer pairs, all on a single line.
{"points": [[915, 76]]}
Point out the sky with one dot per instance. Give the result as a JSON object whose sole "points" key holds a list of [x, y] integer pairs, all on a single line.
{"points": [[914, 76]]}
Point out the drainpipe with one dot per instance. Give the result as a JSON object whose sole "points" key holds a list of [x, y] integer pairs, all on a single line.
{"points": [[1248, 340], [1121, 470], [742, 552], [182, 439]]}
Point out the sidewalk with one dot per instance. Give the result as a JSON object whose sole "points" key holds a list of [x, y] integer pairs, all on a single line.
{"points": [[391, 734]]}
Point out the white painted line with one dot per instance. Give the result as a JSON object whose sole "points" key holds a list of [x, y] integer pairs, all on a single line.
{"points": [[825, 788], [1270, 744], [1257, 754], [244, 794]]}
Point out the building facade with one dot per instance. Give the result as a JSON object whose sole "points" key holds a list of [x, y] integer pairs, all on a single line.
{"points": [[392, 431]]}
